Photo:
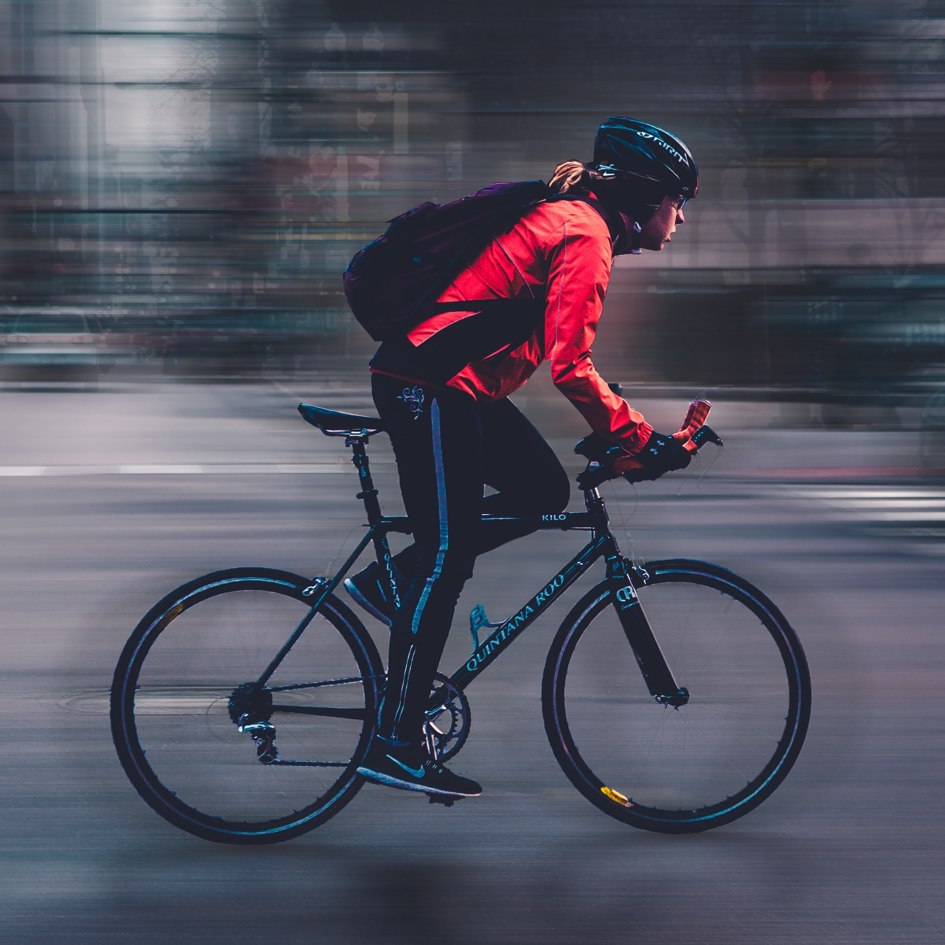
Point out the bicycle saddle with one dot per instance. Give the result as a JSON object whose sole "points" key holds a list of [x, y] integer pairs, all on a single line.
{"points": [[335, 423]]}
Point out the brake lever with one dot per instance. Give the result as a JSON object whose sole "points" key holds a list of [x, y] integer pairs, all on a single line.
{"points": [[705, 434]]}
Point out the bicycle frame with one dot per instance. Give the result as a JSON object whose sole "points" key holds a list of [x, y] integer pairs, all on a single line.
{"points": [[620, 579]]}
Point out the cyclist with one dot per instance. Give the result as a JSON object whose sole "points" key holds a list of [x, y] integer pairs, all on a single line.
{"points": [[442, 391]]}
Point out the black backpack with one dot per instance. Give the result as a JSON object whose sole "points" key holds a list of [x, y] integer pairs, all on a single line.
{"points": [[392, 283]]}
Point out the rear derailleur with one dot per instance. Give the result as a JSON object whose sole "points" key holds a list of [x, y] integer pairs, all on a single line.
{"points": [[250, 708]]}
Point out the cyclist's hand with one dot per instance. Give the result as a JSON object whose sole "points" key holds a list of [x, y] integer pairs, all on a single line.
{"points": [[661, 454]]}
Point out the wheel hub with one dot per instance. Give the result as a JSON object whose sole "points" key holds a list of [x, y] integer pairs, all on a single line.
{"points": [[250, 703]]}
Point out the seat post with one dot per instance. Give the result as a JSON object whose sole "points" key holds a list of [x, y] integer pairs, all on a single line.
{"points": [[368, 493]]}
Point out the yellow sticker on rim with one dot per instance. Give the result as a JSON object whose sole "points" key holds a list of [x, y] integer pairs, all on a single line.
{"points": [[616, 796]]}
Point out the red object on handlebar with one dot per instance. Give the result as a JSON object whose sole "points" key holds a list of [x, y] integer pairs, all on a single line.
{"points": [[695, 418]]}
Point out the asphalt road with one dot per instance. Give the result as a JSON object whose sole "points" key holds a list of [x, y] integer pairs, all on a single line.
{"points": [[110, 498]]}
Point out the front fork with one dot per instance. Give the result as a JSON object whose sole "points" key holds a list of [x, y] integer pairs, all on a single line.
{"points": [[623, 579]]}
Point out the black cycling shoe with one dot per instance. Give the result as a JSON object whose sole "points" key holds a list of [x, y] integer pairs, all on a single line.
{"points": [[369, 590], [412, 769]]}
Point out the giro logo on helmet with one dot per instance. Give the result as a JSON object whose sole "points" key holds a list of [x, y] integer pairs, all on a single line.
{"points": [[662, 144]]}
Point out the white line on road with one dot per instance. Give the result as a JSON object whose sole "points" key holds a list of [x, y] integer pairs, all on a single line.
{"points": [[916, 511], [22, 470], [185, 469], [160, 470]]}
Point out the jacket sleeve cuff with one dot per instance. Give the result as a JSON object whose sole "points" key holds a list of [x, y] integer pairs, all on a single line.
{"points": [[641, 436]]}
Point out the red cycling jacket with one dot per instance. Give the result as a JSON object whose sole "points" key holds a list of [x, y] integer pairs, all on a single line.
{"points": [[560, 251]]}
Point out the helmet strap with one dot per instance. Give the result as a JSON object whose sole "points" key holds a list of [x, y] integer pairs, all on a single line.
{"points": [[629, 241]]}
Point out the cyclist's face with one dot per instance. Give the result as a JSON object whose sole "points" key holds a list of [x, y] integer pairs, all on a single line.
{"points": [[659, 229]]}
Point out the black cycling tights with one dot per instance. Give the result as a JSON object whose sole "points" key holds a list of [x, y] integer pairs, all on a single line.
{"points": [[448, 448]]}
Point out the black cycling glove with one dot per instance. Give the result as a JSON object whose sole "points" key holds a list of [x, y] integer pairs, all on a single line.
{"points": [[662, 454]]}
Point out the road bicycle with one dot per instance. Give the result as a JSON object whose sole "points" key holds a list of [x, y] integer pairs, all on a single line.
{"points": [[675, 695]]}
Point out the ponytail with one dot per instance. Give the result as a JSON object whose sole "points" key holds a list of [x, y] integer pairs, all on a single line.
{"points": [[569, 175]]}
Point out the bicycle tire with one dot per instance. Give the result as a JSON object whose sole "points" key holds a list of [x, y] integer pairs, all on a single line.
{"points": [[176, 707], [709, 762]]}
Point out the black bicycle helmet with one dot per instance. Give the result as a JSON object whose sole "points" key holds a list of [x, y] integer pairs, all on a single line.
{"points": [[644, 157]]}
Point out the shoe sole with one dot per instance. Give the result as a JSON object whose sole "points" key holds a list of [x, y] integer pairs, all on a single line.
{"points": [[362, 601], [379, 777]]}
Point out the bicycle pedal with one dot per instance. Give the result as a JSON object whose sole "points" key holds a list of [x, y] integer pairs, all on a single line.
{"points": [[445, 799]]}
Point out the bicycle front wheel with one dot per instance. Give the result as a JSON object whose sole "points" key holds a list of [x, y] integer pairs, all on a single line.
{"points": [[215, 753], [710, 761]]}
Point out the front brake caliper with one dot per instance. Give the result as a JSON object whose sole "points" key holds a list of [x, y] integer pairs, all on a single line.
{"points": [[639, 575]]}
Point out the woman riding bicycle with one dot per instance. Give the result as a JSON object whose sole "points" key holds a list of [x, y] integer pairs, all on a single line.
{"points": [[442, 391]]}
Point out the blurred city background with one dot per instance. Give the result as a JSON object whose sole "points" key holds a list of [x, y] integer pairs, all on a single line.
{"points": [[183, 182]]}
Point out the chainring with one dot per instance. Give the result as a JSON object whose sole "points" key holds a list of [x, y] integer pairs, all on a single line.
{"points": [[446, 727]]}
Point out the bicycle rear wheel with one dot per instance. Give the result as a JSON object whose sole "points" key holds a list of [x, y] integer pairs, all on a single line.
{"points": [[712, 760], [184, 688]]}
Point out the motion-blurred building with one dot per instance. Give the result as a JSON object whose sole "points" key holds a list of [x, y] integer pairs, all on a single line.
{"points": [[199, 173]]}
